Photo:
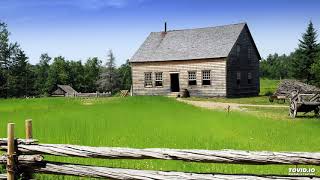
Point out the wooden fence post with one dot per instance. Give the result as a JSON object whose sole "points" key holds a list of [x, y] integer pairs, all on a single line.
{"points": [[11, 152], [28, 127]]}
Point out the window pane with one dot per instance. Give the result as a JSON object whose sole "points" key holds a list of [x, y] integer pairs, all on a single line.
{"points": [[158, 83], [148, 79], [249, 78], [159, 76], [206, 75], [238, 75], [192, 75], [249, 52], [192, 82], [238, 79], [158, 79], [206, 82], [238, 50]]}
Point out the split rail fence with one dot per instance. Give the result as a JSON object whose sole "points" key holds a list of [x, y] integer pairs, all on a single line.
{"points": [[24, 158]]}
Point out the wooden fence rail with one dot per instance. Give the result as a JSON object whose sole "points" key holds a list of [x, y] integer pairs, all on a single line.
{"points": [[209, 156], [23, 158]]}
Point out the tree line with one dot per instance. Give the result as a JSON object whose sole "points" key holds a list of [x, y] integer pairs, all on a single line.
{"points": [[302, 64], [19, 78]]}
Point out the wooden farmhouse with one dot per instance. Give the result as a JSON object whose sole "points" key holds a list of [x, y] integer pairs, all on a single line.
{"points": [[64, 90], [212, 61]]}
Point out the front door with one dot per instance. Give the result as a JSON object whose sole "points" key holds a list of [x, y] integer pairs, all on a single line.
{"points": [[174, 78]]}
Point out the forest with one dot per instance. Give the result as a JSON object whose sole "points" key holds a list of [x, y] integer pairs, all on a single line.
{"points": [[302, 64], [19, 78]]}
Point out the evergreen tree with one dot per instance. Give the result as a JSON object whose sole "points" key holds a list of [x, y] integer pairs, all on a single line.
{"points": [[109, 77], [17, 79], [315, 69], [306, 55], [4, 58]]}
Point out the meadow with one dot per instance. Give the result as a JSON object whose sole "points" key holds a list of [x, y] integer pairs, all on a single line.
{"points": [[158, 122], [267, 87]]}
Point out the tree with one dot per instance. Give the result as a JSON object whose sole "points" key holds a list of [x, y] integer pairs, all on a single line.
{"points": [[276, 67], [4, 58], [17, 80], [125, 76], [315, 69], [4, 46], [76, 75], [91, 74], [108, 80], [306, 54], [42, 73], [58, 73]]}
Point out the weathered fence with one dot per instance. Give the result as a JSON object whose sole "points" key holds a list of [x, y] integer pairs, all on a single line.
{"points": [[97, 94], [24, 158]]}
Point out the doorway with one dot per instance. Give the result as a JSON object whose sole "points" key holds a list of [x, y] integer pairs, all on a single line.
{"points": [[174, 78]]}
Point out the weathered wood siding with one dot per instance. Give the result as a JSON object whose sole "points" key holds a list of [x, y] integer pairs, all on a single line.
{"points": [[216, 66], [244, 65]]}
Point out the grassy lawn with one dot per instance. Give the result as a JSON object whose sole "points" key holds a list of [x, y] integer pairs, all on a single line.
{"points": [[262, 100], [266, 86], [158, 122]]}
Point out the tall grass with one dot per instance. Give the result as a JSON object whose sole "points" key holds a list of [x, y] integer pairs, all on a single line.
{"points": [[159, 122]]}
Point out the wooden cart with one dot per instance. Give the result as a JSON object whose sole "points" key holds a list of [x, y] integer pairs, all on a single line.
{"points": [[304, 102]]}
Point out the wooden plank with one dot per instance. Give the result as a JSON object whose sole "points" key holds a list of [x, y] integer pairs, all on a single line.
{"points": [[23, 159], [3, 176], [117, 173], [3, 141], [212, 156]]}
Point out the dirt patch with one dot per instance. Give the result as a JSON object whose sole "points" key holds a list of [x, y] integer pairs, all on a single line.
{"points": [[224, 106]]}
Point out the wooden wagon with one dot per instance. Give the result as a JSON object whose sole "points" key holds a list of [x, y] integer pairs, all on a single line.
{"points": [[304, 102]]}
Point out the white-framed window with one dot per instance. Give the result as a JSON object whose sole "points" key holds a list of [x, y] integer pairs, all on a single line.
{"points": [[192, 78], [158, 82], [206, 77], [249, 78], [249, 54], [238, 79], [238, 49], [148, 79]]}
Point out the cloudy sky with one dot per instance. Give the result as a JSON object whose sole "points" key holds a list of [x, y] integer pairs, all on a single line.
{"points": [[78, 29]]}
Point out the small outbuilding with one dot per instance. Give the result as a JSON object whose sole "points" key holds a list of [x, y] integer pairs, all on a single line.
{"points": [[64, 90]]}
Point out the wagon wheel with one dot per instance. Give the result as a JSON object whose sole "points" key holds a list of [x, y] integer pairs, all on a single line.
{"points": [[293, 109]]}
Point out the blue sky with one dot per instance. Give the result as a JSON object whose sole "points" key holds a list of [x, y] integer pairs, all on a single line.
{"points": [[78, 29]]}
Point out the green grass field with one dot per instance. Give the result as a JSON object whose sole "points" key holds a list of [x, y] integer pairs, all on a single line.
{"points": [[158, 122], [267, 86]]}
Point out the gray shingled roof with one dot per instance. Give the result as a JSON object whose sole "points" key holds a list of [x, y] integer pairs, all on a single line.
{"points": [[200, 43], [67, 89]]}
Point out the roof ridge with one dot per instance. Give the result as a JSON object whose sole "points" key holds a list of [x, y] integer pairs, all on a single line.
{"points": [[173, 30]]}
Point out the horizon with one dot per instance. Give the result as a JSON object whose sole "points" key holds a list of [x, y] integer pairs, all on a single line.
{"points": [[81, 29]]}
